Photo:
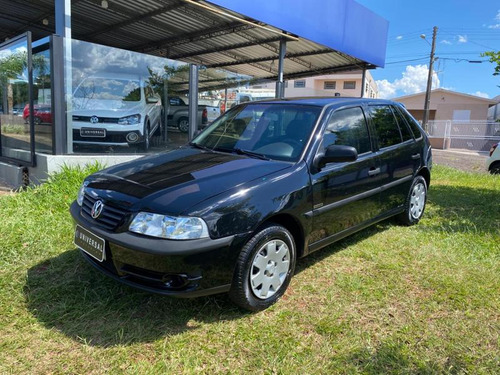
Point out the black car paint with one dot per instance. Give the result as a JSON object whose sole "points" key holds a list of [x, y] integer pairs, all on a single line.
{"points": [[235, 194]]}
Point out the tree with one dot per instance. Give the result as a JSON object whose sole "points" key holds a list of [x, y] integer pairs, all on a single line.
{"points": [[494, 58]]}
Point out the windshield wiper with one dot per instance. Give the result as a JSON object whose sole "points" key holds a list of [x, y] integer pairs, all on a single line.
{"points": [[252, 154], [196, 145], [240, 151]]}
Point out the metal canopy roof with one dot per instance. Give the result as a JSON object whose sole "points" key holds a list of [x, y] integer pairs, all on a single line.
{"points": [[210, 35]]}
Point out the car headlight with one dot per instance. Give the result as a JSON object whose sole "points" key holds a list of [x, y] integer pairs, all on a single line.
{"points": [[175, 228], [130, 120], [79, 198]]}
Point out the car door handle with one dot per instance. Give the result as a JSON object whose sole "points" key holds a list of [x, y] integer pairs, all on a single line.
{"points": [[415, 156], [374, 172]]}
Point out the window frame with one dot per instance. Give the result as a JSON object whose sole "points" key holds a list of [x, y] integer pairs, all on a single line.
{"points": [[297, 81], [330, 82], [349, 88]]}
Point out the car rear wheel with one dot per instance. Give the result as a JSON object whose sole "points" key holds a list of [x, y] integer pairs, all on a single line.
{"points": [[183, 124], [264, 268], [415, 202], [495, 168], [36, 120]]}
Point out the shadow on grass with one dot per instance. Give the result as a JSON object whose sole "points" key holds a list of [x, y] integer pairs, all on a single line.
{"points": [[67, 294], [319, 255], [464, 209]]}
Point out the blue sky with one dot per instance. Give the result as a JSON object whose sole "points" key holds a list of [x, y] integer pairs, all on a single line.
{"points": [[466, 28]]}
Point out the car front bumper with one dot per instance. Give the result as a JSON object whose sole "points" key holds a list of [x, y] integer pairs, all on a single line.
{"points": [[183, 268]]}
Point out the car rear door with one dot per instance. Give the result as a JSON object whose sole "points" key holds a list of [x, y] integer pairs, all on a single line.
{"points": [[346, 194], [398, 153]]}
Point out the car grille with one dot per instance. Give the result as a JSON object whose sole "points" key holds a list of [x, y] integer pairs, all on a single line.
{"points": [[110, 217], [101, 120]]}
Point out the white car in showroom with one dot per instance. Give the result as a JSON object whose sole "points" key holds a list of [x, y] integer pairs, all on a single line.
{"points": [[115, 110], [493, 162]]}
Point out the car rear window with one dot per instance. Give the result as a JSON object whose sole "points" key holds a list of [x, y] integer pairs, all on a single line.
{"points": [[414, 125], [385, 124]]}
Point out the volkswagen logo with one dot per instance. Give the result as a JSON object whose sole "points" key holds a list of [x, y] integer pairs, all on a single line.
{"points": [[94, 119], [97, 209]]}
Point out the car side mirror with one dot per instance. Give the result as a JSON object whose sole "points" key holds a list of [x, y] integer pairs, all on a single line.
{"points": [[152, 100], [337, 154]]}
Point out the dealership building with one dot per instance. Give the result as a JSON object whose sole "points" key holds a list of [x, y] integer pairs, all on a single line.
{"points": [[110, 80]]}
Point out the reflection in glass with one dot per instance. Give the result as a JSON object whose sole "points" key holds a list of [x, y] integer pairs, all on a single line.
{"points": [[42, 111], [118, 100], [15, 132]]}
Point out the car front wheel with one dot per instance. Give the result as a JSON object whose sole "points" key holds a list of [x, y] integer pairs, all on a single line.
{"points": [[415, 202], [264, 268]]}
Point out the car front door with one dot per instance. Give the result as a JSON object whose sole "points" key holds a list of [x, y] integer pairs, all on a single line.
{"points": [[345, 195], [398, 153]]}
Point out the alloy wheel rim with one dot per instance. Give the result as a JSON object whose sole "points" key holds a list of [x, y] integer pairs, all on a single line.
{"points": [[417, 200], [269, 269], [183, 126]]}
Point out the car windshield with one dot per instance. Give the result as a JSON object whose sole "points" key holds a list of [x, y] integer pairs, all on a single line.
{"points": [[95, 92], [274, 131]]}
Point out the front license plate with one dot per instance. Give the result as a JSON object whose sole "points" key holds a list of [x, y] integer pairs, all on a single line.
{"points": [[90, 132], [90, 243]]}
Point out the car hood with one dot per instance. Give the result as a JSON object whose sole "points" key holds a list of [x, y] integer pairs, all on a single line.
{"points": [[173, 182], [107, 108]]}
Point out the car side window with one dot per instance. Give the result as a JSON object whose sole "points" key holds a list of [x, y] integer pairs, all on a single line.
{"points": [[175, 101], [347, 127], [414, 126], [403, 127], [385, 124]]}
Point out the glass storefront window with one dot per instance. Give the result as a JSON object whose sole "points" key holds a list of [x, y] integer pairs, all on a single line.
{"points": [[118, 100], [15, 134]]}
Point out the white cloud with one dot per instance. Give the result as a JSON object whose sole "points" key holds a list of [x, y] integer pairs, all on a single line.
{"points": [[462, 38], [386, 89], [399, 37], [497, 18], [480, 94], [413, 80], [444, 41]]}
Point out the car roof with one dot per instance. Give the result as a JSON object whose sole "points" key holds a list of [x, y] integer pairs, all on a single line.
{"points": [[324, 101]]}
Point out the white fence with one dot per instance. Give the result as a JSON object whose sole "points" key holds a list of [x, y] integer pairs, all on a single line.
{"points": [[470, 135]]}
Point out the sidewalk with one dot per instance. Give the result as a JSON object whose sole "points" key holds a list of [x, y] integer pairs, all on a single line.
{"points": [[4, 188]]}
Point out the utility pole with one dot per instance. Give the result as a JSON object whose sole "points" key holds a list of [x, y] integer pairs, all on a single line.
{"points": [[429, 81]]}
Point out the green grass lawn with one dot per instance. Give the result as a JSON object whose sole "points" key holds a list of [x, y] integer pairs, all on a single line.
{"points": [[390, 299]]}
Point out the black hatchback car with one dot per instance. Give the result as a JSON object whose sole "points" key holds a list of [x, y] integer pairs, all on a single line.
{"points": [[265, 184]]}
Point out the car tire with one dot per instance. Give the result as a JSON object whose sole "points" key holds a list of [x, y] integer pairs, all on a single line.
{"points": [[183, 124], [36, 120], [146, 142], [264, 268], [415, 202], [495, 168]]}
